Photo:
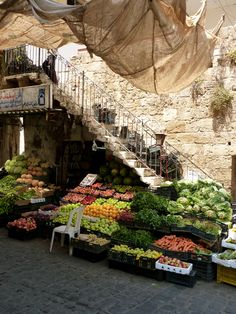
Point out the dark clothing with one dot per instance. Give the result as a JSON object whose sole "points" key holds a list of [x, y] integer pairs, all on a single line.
{"points": [[49, 68]]}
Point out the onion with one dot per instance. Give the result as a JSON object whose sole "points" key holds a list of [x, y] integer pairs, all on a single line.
{"points": [[41, 184], [28, 176], [35, 182], [24, 176]]}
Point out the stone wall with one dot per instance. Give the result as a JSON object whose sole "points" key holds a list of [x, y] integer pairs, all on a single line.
{"points": [[185, 116]]}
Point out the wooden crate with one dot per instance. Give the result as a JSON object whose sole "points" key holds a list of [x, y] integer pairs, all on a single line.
{"points": [[226, 274]]}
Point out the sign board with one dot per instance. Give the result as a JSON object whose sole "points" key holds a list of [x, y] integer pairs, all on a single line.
{"points": [[89, 179], [37, 200], [25, 98]]}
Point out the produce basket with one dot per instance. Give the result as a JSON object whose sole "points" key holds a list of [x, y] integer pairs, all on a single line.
{"points": [[174, 269], [227, 275], [184, 280]]}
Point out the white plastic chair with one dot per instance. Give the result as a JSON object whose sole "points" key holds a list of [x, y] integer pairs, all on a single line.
{"points": [[68, 228]]}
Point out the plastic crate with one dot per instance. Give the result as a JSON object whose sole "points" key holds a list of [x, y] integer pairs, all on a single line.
{"points": [[184, 280], [175, 228], [115, 256], [147, 263], [201, 257], [226, 274], [157, 274], [86, 246], [90, 256], [123, 266], [205, 271], [129, 259], [175, 254], [22, 234], [203, 235]]}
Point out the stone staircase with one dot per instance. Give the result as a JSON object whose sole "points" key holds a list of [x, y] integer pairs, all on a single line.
{"points": [[124, 134]]}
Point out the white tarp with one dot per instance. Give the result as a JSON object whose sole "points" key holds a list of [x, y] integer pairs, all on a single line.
{"points": [[151, 43]]}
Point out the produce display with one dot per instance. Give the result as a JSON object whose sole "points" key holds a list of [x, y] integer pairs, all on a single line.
{"points": [[174, 265], [26, 224], [180, 244], [227, 255], [172, 262], [126, 216], [16, 166], [8, 194], [105, 226], [137, 252], [64, 213], [103, 211], [117, 173], [203, 197], [206, 226], [93, 239], [116, 203], [135, 238]]}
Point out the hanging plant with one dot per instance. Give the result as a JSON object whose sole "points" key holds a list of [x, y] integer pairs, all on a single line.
{"points": [[231, 56], [221, 101]]}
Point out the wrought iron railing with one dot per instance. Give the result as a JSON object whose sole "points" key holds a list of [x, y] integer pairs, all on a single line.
{"points": [[85, 97]]}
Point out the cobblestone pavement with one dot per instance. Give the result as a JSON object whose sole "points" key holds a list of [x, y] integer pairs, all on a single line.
{"points": [[34, 281]]}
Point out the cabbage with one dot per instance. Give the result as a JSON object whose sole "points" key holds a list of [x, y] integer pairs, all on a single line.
{"points": [[183, 200], [210, 214]]}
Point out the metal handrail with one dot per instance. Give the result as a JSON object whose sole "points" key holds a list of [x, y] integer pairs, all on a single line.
{"points": [[91, 100]]}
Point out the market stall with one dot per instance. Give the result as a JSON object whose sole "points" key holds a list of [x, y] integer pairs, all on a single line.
{"points": [[174, 236]]}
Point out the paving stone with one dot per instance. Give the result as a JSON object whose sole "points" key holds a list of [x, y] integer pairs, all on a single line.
{"points": [[34, 281]]}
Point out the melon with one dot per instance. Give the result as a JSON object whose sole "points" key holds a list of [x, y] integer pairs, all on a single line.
{"points": [[124, 172], [114, 172], [127, 181]]}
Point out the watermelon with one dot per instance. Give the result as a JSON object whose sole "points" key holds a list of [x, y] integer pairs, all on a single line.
{"points": [[114, 172], [108, 179], [124, 172], [103, 170], [127, 181], [113, 164], [118, 181]]}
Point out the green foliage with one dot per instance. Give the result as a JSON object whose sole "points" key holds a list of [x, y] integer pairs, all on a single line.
{"points": [[147, 200], [136, 238], [231, 56], [221, 101]]}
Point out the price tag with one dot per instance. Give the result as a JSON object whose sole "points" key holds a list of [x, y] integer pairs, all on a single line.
{"points": [[89, 179], [37, 200]]}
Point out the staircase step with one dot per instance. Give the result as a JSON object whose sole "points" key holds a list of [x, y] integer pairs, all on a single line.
{"points": [[144, 172], [132, 163], [152, 181], [126, 155]]}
